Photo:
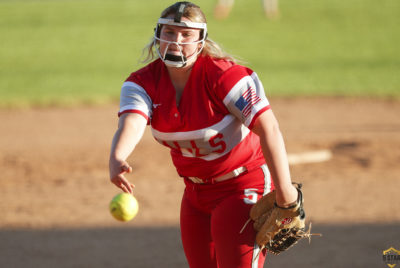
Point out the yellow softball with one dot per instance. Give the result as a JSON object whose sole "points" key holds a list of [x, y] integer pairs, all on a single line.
{"points": [[124, 207]]}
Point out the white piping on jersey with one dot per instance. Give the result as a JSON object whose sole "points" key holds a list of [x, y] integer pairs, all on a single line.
{"points": [[195, 134], [267, 189], [256, 255], [267, 179]]}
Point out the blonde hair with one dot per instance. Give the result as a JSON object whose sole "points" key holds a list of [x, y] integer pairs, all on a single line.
{"points": [[194, 14]]}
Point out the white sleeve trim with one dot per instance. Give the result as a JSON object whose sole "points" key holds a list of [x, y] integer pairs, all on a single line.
{"points": [[135, 97], [235, 93]]}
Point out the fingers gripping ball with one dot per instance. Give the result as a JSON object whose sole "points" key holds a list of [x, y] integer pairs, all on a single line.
{"points": [[124, 207]]}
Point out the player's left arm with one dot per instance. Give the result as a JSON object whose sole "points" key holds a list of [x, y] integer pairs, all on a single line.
{"points": [[267, 128]]}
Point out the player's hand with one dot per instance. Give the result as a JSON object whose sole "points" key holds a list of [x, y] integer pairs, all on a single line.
{"points": [[117, 171]]}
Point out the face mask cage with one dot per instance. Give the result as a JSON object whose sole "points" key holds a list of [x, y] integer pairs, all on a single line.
{"points": [[178, 60]]}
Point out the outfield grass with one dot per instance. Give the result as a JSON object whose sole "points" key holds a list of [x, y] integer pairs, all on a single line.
{"points": [[69, 51]]}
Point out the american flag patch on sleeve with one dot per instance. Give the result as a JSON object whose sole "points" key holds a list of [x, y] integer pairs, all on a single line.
{"points": [[247, 100]]}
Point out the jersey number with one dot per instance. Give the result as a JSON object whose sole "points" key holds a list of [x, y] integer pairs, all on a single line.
{"points": [[251, 196]]}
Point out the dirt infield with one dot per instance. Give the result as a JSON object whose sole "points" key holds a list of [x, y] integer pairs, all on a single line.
{"points": [[54, 188]]}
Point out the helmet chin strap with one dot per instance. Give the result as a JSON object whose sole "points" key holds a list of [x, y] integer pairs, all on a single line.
{"points": [[177, 61], [172, 60]]}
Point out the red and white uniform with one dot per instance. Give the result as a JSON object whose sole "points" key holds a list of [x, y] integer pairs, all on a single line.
{"points": [[209, 135], [210, 125]]}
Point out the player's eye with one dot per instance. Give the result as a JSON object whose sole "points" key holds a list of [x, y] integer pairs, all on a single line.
{"points": [[169, 32]]}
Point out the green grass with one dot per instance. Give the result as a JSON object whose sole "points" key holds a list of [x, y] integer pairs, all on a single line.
{"points": [[69, 52]]}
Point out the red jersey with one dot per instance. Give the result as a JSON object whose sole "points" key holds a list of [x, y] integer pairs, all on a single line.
{"points": [[208, 131]]}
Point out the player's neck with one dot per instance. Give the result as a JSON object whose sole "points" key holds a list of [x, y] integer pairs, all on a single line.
{"points": [[179, 78], [179, 74]]}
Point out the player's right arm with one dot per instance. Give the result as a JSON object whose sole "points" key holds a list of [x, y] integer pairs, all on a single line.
{"points": [[131, 127]]}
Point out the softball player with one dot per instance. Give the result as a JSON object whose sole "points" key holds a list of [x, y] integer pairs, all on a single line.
{"points": [[224, 139]]}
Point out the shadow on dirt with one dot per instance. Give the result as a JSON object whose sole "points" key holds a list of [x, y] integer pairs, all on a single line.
{"points": [[340, 246]]}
